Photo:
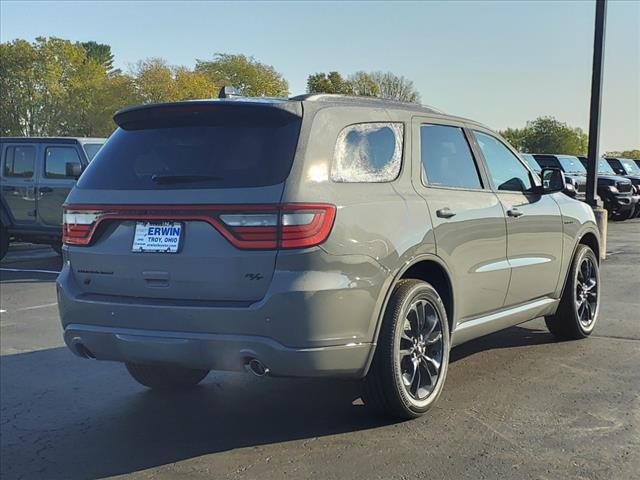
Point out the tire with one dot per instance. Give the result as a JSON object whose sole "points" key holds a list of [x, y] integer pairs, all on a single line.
{"points": [[624, 215], [392, 386], [166, 378], [4, 241], [580, 303]]}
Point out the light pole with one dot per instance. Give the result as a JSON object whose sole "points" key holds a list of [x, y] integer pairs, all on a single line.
{"points": [[594, 121]]}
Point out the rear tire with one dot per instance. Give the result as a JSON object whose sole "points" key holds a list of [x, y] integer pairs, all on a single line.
{"points": [[165, 378], [4, 241], [411, 359], [580, 303]]}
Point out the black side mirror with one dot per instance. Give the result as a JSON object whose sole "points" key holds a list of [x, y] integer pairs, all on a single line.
{"points": [[73, 169], [553, 181]]}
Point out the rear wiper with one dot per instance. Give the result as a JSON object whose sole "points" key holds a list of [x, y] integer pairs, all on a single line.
{"points": [[170, 179]]}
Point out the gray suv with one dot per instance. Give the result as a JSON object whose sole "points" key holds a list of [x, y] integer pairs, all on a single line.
{"points": [[319, 235], [37, 175]]}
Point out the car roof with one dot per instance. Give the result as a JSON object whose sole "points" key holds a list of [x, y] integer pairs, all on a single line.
{"points": [[70, 140], [324, 99]]}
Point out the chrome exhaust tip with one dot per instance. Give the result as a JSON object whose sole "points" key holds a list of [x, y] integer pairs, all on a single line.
{"points": [[256, 367]]}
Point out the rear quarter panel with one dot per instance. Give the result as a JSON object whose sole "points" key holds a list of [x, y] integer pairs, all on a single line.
{"points": [[385, 224]]}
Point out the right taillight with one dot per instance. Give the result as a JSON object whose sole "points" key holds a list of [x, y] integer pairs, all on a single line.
{"points": [[288, 226], [247, 227]]}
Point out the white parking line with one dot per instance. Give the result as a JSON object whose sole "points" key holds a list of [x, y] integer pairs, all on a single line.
{"points": [[36, 307], [27, 270]]}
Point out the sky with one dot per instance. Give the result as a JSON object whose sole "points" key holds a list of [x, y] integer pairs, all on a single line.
{"points": [[498, 62]]}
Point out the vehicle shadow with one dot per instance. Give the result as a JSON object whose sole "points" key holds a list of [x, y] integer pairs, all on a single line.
{"points": [[67, 418], [509, 338]]}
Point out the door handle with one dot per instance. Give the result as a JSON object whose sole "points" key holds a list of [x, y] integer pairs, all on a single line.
{"points": [[445, 213], [514, 212], [46, 189]]}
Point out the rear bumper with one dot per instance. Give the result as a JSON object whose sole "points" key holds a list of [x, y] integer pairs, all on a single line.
{"points": [[214, 352], [310, 323]]}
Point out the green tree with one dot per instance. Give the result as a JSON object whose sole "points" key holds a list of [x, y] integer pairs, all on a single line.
{"points": [[516, 137], [53, 87], [153, 79], [99, 52], [246, 74], [189, 84], [371, 84], [632, 154], [395, 87], [156, 81], [548, 135], [18, 88], [363, 84], [332, 82]]}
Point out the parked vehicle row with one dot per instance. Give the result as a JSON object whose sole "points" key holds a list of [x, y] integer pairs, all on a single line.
{"points": [[320, 235], [37, 175], [619, 190]]}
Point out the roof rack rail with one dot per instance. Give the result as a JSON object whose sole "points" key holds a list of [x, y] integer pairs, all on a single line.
{"points": [[315, 97]]}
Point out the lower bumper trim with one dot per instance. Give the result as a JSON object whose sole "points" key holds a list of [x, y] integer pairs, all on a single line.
{"points": [[215, 351]]}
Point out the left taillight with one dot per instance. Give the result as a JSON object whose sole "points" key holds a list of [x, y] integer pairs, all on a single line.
{"points": [[78, 226]]}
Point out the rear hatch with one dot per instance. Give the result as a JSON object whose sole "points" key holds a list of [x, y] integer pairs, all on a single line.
{"points": [[182, 202]]}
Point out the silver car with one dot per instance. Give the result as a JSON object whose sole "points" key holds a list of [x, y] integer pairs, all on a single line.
{"points": [[319, 235]]}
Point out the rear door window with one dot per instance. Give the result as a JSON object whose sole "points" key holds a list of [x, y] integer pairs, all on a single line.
{"points": [[446, 158], [368, 152], [57, 161], [19, 161], [224, 148]]}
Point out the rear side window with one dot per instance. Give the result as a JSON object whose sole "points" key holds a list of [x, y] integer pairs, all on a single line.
{"points": [[57, 161], [446, 157], [19, 161], [368, 152], [223, 148]]}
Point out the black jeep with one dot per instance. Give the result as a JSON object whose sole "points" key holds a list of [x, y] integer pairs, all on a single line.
{"points": [[617, 193], [37, 175]]}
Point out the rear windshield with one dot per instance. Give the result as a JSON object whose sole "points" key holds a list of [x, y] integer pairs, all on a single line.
{"points": [[571, 164], [199, 151]]}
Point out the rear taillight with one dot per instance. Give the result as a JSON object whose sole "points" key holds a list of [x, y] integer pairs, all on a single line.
{"points": [[78, 226], [251, 227]]}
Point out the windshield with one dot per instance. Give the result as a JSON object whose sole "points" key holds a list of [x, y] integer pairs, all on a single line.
{"points": [[572, 165], [604, 167], [219, 151], [91, 149], [630, 166]]}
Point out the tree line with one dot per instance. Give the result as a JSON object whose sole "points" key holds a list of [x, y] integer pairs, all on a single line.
{"points": [[53, 86]]}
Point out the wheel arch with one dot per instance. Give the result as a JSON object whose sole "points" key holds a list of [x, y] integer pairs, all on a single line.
{"points": [[590, 238], [431, 269]]}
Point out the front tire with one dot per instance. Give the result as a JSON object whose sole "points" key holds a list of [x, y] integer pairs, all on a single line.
{"points": [[580, 303], [410, 364], [165, 378]]}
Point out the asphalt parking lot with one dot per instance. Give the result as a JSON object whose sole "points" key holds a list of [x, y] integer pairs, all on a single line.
{"points": [[517, 404]]}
